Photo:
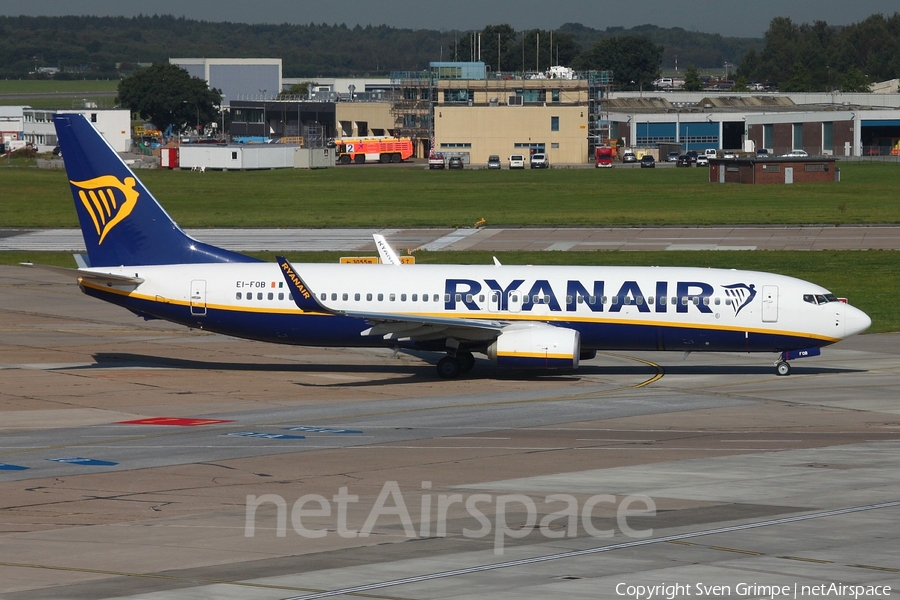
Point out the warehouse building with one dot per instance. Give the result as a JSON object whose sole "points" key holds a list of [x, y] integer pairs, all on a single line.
{"points": [[237, 78]]}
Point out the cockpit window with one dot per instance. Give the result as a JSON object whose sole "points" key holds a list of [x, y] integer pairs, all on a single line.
{"points": [[819, 299]]}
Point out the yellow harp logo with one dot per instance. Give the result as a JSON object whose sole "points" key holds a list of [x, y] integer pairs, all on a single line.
{"points": [[107, 200]]}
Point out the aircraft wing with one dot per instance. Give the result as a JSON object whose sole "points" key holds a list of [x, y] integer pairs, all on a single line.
{"points": [[92, 276], [400, 327], [393, 326]]}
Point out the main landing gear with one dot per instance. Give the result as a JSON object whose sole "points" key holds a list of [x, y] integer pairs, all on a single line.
{"points": [[454, 365]]}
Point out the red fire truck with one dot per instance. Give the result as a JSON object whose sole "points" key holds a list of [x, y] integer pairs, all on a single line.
{"points": [[371, 149], [604, 156]]}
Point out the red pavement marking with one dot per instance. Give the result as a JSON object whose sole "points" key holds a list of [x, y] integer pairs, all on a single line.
{"points": [[179, 421]]}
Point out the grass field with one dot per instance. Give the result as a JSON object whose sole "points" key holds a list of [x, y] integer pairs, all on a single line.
{"points": [[375, 196], [49, 86], [56, 94]]}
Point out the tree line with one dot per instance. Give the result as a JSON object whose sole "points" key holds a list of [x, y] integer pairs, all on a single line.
{"points": [[795, 57], [819, 57], [109, 47]]}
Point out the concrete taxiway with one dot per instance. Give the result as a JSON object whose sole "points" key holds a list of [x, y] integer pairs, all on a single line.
{"points": [[498, 239], [143, 460]]}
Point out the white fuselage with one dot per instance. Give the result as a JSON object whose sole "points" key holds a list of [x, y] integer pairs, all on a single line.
{"points": [[613, 307]]}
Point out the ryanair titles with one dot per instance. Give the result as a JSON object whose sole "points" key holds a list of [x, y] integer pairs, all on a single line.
{"points": [[295, 280], [519, 295]]}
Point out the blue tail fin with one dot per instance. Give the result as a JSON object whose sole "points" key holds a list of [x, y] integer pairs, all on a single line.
{"points": [[122, 223]]}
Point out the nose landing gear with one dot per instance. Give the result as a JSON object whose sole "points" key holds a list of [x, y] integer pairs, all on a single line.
{"points": [[782, 367]]}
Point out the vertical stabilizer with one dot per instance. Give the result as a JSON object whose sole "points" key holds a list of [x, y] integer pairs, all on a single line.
{"points": [[122, 223]]}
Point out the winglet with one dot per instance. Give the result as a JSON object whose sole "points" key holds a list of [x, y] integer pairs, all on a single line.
{"points": [[300, 292], [388, 256]]}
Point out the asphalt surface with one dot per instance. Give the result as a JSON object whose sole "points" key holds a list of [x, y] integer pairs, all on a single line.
{"points": [[499, 485]]}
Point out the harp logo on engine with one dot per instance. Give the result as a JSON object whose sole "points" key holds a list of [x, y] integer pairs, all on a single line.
{"points": [[107, 201]]}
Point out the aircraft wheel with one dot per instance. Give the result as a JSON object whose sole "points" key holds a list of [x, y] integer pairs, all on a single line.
{"points": [[449, 367], [466, 361], [782, 368]]}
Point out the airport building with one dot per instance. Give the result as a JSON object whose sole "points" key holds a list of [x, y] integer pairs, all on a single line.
{"points": [[463, 109], [237, 78], [114, 125], [841, 125]]}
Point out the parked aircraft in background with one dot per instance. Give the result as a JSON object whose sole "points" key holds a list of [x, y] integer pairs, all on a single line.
{"points": [[536, 317]]}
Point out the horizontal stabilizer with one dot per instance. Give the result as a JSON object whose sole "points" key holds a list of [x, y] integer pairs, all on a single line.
{"points": [[104, 278]]}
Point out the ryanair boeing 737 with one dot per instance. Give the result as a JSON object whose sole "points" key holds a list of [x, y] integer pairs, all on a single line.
{"points": [[536, 317]]}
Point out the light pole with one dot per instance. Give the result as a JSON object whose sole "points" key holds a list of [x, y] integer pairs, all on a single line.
{"points": [[222, 111]]}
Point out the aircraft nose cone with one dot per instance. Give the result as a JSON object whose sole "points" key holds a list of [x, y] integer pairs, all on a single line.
{"points": [[855, 321]]}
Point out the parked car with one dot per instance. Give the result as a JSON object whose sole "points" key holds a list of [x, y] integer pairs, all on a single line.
{"points": [[702, 160], [762, 153], [796, 153], [540, 161], [729, 154], [673, 157], [647, 161], [692, 154], [710, 153], [516, 161], [683, 161], [629, 157], [436, 161], [493, 162], [455, 162]]}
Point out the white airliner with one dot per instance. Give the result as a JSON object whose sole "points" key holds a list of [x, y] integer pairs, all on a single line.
{"points": [[535, 317]]}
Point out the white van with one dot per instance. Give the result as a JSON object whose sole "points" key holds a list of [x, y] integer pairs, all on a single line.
{"points": [[710, 152], [516, 161]]}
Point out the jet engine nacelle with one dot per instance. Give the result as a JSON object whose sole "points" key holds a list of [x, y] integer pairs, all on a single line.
{"points": [[536, 347]]}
